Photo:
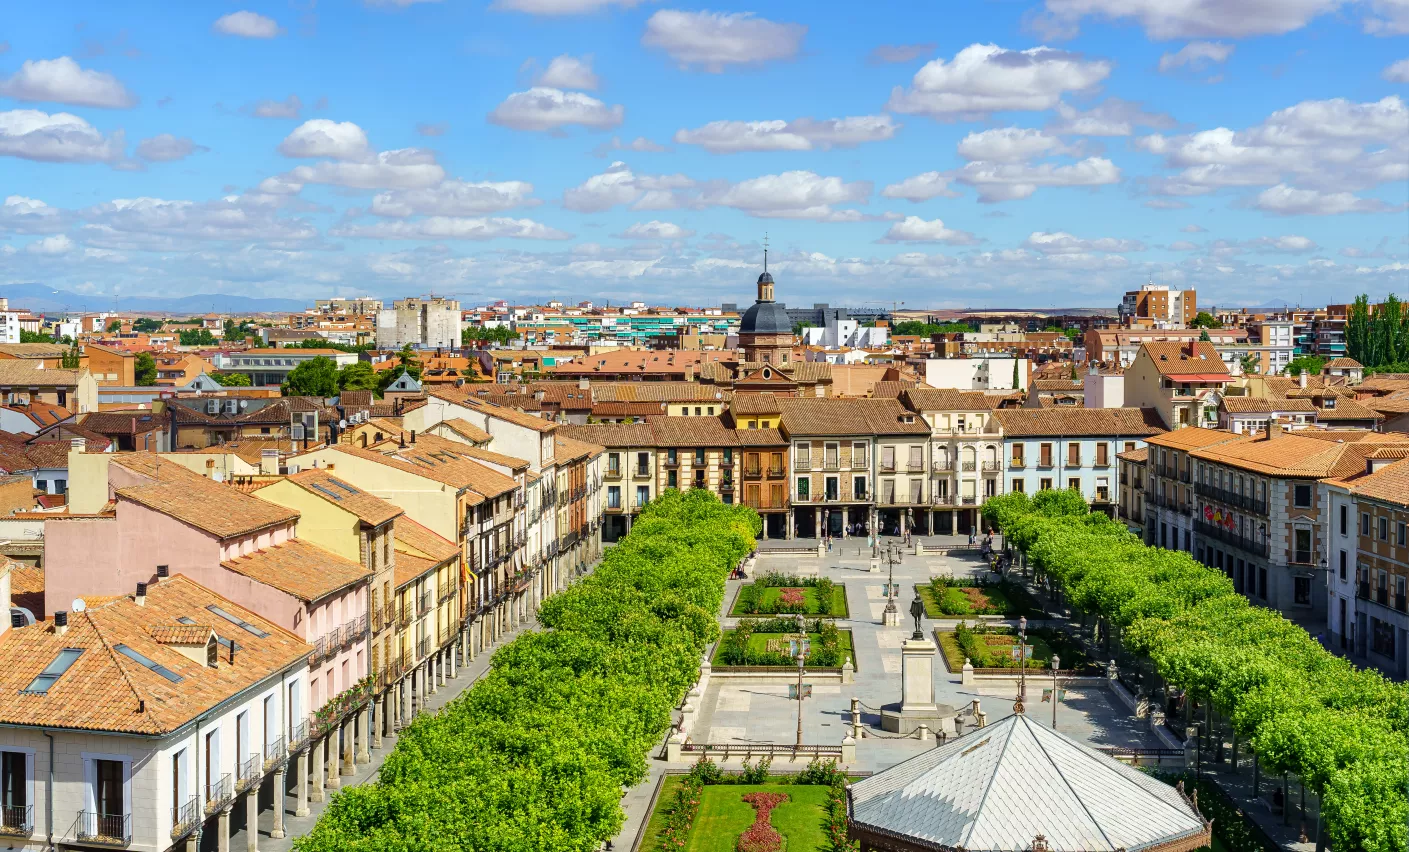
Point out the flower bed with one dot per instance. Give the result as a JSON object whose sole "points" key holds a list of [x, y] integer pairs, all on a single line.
{"points": [[992, 648], [761, 836], [768, 595], [765, 643], [945, 596]]}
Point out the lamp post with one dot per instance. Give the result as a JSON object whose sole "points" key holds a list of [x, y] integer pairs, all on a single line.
{"points": [[801, 663], [892, 614], [1056, 661], [1022, 664]]}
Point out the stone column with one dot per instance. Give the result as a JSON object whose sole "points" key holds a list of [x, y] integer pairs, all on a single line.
{"points": [[252, 819], [349, 758], [454, 653], [316, 766], [381, 719], [222, 830], [431, 686], [193, 842], [403, 702], [333, 781], [365, 726], [301, 784], [279, 794]]}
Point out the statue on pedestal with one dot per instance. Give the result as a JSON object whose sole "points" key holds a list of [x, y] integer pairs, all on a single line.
{"points": [[917, 609]]}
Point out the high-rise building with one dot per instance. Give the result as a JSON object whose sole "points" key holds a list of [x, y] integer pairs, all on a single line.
{"points": [[421, 322], [1157, 306]]}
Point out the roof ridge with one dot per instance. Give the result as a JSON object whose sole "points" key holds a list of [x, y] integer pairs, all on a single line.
{"points": [[988, 787], [112, 653], [1062, 775]]}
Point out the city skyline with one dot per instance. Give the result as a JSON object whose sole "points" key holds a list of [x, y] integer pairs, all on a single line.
{"points": [[1034, 154]]}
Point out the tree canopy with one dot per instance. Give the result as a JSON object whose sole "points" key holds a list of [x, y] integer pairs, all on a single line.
{"points": [[1204, 319], [500, 334], [314, 377], [144, 370], [927, 329], [232, 380], [197, 337], [1378, 336], [1312, 364], [357, 376]]}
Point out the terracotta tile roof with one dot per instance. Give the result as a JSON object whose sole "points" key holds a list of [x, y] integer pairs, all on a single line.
{"points": [[1382, 383], [656, 392], [1139, 456], [1058, 385], [508, 415], [1184, 359], [1292, 455], [1396, 402], [296, 567], [692, 432], [121, 423], [1079, 422], [105, 690], [34, 350], [25, 579], [1058, 400], [410, 568], [891, 390], [854, 379], [826, 416], [42, 414], [1389, 484], [1347, 409], [1343, 364], [438, 459], [512, 462], [571, 449], [1315, 386], [938, 399], [613, 435], [181, 634], [373, 511], [628, 409], [409, 534], [755, 403], [49, 454], [356, 399], [209, 506], [1259, 405], [761, 438], [1192, 438], [466, 430], [16, 373]]}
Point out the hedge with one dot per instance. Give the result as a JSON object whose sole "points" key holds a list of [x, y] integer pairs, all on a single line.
{"points": [[536, 755], [1344, 730]]}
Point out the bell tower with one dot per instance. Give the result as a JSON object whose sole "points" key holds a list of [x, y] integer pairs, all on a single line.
{"points": [[765, 281]]}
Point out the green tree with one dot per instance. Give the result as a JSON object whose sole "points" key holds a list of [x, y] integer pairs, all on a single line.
{"points": [[1015, 373], [72, 358], [114, 326], [1073, 370], [34, 337], [1203, 336], [1204, 319], [323, 343], [1312, 364], [198, 337], [1357, 331], [144, 370], [799, 326], [1249, 363], [357, 376], [409, 362], [1388, 319], [232, 380], [146, 326], [314, 377]]}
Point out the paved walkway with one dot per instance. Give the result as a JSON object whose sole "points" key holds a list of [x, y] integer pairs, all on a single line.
{"points": [[294, 826]]}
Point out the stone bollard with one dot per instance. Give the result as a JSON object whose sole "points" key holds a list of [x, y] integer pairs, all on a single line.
{"points": [[848, 749], [974, 708], [674, 745], [967, 677], [1156, 719], [1111, 669], [821, 550], [982, 719], [924, 731], [1191, 744], [848, 672], [875, 566], [856, 717]]}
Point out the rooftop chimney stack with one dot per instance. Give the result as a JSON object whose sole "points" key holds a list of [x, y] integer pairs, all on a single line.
{"points": [[163, 572], [141, 594], [1274, 429], [60, 622], [1301, 379]]}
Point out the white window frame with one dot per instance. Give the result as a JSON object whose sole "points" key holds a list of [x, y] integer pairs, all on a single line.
{"points": [[90, 780]]}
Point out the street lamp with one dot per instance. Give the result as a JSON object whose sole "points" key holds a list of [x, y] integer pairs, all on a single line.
{"points": [[1056, 661], [1022, 664], [802, 646], [892, 614]]}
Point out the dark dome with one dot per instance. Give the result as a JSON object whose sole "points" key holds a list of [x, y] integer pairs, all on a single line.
{"points": [[765, 278], [766, 318]]}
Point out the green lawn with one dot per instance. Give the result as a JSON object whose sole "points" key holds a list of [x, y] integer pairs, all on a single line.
{"points": [[759, 642], [770, 595], [724, 815], [996, 601], [1001, 647]]}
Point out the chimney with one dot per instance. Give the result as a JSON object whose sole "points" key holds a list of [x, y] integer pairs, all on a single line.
{"points": [[60, 622], [413, 436], [163, 572], [269, 461], [78, 445], [583, 383], [1274, 429], [1301, 379], [141, 594]]}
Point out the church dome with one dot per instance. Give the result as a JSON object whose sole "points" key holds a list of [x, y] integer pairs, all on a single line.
{"points": [[766, 318], [765, 278]]}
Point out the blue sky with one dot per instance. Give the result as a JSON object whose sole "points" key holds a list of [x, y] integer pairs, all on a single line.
{"points": [[1042, 153]]}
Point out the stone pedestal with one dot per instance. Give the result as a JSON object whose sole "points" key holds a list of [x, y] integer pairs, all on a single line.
{"points": [[966, 676], [875, 566], [890, 616], [916, 704]]}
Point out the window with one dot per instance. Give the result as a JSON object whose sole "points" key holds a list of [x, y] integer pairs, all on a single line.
{"points": [[1364, 523], [699, 457], [1045, 484], [14, 790], [1074, 455], [1301, 590], [1301, 496], [613, 497], [53, 671], [833, 488], [236, 620], [1262, 583], [1018, 455], [643, 495], [1345, 514], [1074, 484], [1384, 528], [224, 643], [1382, 638], [832, 455], [1019, 486], [670, 479], [728, 453], [643, 463], [109, 778], [1342, 565], [1301, 541], [1046, 455], [1399, 534], [858, 487], [804, 488], [613, 463], [858, 454], [1102, 458], [42, 485]]}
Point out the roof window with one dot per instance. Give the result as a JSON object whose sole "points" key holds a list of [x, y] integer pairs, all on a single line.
{"points": [[144, 660], [238, 621], [55, 670]]}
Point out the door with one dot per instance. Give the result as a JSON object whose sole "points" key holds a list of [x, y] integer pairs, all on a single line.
{"points": [[108, 798], [14, 787]]}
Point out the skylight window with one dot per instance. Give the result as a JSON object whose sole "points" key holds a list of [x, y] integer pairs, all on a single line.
{"points": [[55, 670], [234, 619], [138, 657], [328, 491]]}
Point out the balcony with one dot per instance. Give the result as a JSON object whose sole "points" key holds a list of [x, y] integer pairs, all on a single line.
{"points": [[423, 602], [1018, 464], [354, 630], [1232, 539], [1073, 462], [776, 472], [643, 472], [1231, 498], [423, 647], [671, 464], [943, 466], [1184, 476], [1124, 479], [18, 820], [104, 829], [251, 770], [184, 819], [274, 753], [969, 467], [803, 464], [990, 466], [406, 615], [298, 736], [831, 464], [446, 594], [753, 473], [219, 794], [888, 467], [613, 473]]}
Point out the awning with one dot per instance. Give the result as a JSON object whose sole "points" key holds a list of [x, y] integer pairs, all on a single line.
{"points": [[1201, 377]]}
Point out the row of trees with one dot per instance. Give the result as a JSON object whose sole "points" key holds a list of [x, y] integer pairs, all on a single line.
{"points": [[928, 329], [500, 335], [322, 376], [1378, 336], [535, 755], [1343, 730]]}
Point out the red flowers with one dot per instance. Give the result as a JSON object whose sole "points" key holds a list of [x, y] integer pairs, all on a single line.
{"points": [[762, 836], [791, 600]]}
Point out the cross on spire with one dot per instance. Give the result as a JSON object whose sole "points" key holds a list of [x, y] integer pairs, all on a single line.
{"points": [[765, 251]]}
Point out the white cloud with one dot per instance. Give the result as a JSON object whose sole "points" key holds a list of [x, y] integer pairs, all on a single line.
{"points": [[1197, 56], [455, 198], [1060, 242], [290, 107], [1009, 145], [63, 81], [1331, 145], [22, 215], [1171, 19], [889, 53], [795, 195], [803, 134], [640, 144], [52, 246], [560, 7], [158, 224], [1290, 244], [618, 185], [1182, 245], [246, 24], [403, 168], [1388, 17], [454, 228], [1398, 72], [1111, 117], [1010, 181], [921, 187], [542, 108], [716, 40], [984, 78], [57, 138], [568, 72], [913, 229], [320, 137], [656, 230], [165, 148], [1284, 200]]}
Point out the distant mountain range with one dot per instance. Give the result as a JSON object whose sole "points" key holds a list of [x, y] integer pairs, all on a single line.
{"points": [[43, 298]]}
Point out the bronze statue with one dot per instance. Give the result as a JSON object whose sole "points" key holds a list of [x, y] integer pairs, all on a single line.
{"points": [[917, 609]]}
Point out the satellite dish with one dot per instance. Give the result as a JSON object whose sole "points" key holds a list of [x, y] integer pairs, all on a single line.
{"points": [[78, 605], [342, 424]]}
